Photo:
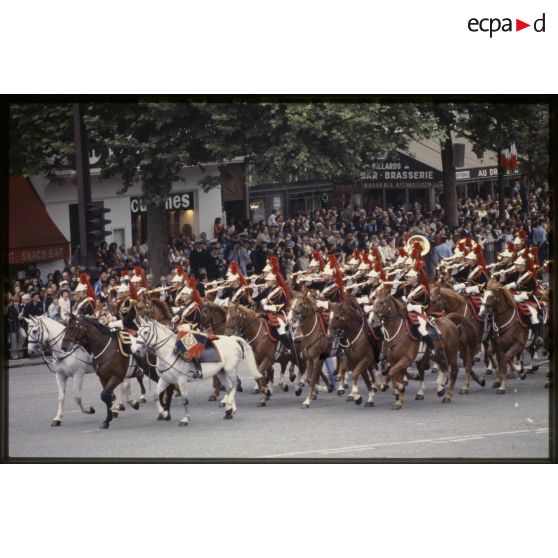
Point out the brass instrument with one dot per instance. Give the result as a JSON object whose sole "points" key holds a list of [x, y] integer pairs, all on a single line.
{"points": [[422, 240]]}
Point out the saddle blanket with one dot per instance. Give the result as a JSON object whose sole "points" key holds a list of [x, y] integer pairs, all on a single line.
{"points": [[124, 342], [192, 344]]}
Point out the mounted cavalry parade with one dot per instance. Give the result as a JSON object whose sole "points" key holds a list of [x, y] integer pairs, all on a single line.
{"points": [[372, 296]]}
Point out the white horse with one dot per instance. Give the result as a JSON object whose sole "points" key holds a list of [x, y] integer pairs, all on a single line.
{"points": [[172, 369], [45, 333]]}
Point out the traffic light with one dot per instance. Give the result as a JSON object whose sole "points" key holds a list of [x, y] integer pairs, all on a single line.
{"points": [[96, 223]]}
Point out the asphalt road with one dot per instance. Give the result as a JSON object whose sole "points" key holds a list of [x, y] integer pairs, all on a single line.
{"points": [[481, 424]]}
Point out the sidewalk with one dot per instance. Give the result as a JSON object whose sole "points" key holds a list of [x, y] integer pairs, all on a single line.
{"points": [[21, 362]]}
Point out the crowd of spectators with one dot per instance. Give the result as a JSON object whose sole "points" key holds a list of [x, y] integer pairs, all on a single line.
{"points": [[292, 240]]}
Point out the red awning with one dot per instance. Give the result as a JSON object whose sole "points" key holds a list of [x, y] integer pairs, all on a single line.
{"points": [[33, 236]]}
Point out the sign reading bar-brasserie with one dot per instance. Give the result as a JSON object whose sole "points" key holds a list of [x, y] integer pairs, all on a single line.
{"points": [[400, 171], [175, 202]]}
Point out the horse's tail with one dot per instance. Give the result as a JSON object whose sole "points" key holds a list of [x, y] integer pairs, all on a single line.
{"points": [[248, 357]]}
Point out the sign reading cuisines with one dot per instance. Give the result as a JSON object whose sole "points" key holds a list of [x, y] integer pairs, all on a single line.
{"points": [[175, 202]]}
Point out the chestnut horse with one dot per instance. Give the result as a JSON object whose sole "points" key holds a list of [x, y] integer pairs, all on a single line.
{"points": [[316, 347], [402, 350], [447, 300], [510, 337], [362, 350], [159, 311], [111, 366]]}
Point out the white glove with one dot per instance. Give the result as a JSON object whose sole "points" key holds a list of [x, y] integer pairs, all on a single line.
{"points": [[459, 287], [368, 308], [175, 319], [520, 297], [473, 289], [322, 304], [511, 285], [269, 307], [176, 309], [404, 299], [362, 300]]}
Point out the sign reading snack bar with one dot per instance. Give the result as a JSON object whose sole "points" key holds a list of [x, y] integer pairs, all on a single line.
{"points": [[175, 202]]}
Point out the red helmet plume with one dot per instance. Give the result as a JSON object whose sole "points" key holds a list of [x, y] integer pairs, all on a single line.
{"points": [[417, 248], [480, 256], [402, 252], [338, 278], [180, 270], [233, 266], [511, 247], [356, 254], [376, 253], [133, 291], [522, 234], [281, 280], [423, 278], [318, 257], [84, 279], [366, 259], [378, 267], [195, 293], [138, 270]]}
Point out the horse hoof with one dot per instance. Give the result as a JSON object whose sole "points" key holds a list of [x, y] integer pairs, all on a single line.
{"points": [[345, 386], [221, 404], [482, 383], [56, 423], [500, 391], [305, 406], [522, 376], [488, 371], [135, 405], [340, 392], [298, 392], [405, 382], [104, 426], [114, 414], [159, 416], [330, 389], [142, 399], [384, 387], [369, 404], [292, 377], [183, 423], [396, 407], [349, 398], [419, 397], [121, 407], [167, 418], [464, 391], [495, 385], [239, 389], [268, 392], [212, 398], [262, 403], [441, 393], [256, 390], [228, 415], [285, 388], [446, 400], [359, 400], [90, 411]]}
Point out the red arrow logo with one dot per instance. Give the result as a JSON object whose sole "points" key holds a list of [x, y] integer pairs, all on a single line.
{"points": [[519, 25]]}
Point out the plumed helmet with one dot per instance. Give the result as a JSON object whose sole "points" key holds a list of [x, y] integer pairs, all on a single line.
{"points": [[180, 275]]}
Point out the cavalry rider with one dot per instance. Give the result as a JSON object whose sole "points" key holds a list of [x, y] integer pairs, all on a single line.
{"points": [[190, 342], [375, 277], [352, 265], [239, 290], [84, 296], [331, 292], [417, 299], [523, 290], [520, 243], [355, 285], [312, 278], [275, 299], [127, 303], [508, 272], [140, 281], [504, 260], [178, 280], [477, 277]]}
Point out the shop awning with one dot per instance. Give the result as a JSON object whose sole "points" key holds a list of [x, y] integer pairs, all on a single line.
{"points": [[33, 236]]}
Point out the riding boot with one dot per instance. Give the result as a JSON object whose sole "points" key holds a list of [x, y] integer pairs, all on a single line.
{"points": [[286, 342], [429, 343], [198, 371]]}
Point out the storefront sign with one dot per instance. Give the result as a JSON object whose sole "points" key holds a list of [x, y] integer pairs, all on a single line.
{"points": [[398, 185], [480, 173], [402, 170], [38, 254], [175, 202]]}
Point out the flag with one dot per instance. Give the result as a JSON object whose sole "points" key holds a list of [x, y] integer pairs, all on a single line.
{"points": [[513, 157], [505, 159]]}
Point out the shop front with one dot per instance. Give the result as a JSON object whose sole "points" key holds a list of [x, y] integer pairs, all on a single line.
{"points": [[482, 181], [181, 216]]}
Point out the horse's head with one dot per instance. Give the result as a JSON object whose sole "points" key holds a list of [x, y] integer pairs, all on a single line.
{"points": [[76, 333], [300, 308], [37, 336], [437, 300], [235, 323], [383, 309], [143, 338], [337, 319], [493, 297]]}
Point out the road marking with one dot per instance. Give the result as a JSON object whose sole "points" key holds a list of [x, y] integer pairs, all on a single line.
{"points": [[441, 440]]}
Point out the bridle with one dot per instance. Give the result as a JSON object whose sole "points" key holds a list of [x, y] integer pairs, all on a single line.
{"points": [[498, 330], [74, 340], [343, 318], [383, 319]]}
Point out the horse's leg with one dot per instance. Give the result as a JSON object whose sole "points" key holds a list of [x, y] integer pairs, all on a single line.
{"points": [[265, 392], [216, 389], [312, 372], [106, 396], [121, 395], [134, 403], [230, 388], [452, 361], [142, 398], [61, 382], [489, 360], [283, 362], [367, 376], [78, 384], [396, 371], [164, 389], [182, 380], [422, 384]]}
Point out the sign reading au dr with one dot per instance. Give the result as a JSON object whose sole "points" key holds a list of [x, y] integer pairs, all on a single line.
{"points": [[175, 202]]}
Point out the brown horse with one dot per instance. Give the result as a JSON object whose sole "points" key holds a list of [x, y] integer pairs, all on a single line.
{"points": [[214, 318], [471, 331], [159, 311], [316, 346], [510, 337], [362, 350], [110, 365], [402, 350]]}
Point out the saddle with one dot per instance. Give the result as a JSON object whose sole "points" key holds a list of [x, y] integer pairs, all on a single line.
{"points": [[124, 339], [195, 344], [272, 335], [412, 323]]}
